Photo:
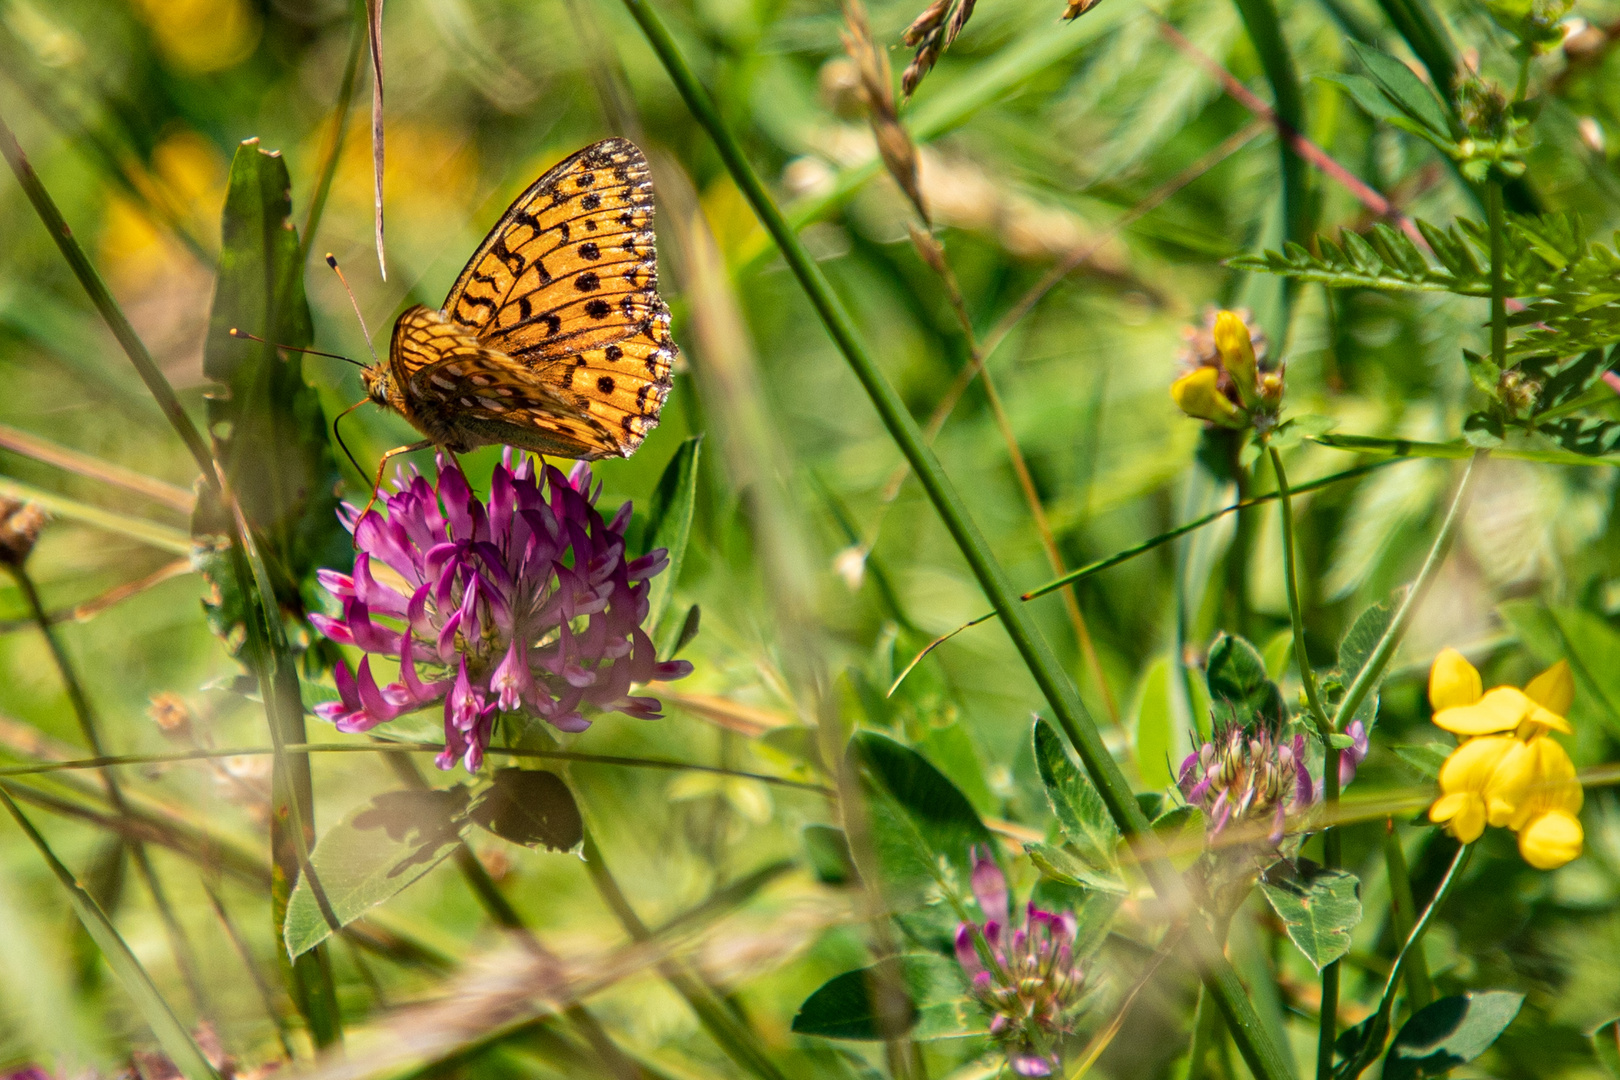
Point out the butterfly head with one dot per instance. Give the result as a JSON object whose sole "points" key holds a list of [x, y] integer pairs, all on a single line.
{"points": [[379, 387]]}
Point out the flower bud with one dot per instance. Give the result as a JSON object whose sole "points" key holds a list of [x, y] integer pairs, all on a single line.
{"points": [[1198, 394], [1232, 341]]}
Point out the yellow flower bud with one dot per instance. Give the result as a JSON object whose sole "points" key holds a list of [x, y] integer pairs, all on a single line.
{"points": [[1198, 395], [1237, 353], [1551, 840], [1453, 681], [1464, 779]]}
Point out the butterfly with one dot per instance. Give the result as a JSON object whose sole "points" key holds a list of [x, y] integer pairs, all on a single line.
{"points": [[553, 338]]}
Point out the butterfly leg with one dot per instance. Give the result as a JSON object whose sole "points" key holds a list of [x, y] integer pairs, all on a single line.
{"points": [[376, 483]]}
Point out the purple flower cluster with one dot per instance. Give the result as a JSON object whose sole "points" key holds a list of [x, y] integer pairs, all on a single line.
{"points": [[524, 602], [1023, 976], [1255, 774]]}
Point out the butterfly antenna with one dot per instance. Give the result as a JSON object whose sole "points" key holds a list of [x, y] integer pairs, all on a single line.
{"points": [[243, 335], [331, 260]]}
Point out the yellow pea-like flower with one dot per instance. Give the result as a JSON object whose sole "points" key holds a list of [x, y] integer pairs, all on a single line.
{"points": [[1534, 777], [1232, 341], [1464, 780], [1198, 394]]}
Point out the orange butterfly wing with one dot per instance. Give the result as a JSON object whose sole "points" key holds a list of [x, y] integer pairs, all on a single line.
{"points": [[565, 286]]}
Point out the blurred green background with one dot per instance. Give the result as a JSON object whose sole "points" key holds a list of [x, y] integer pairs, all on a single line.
{"points": [[1041, 137]]}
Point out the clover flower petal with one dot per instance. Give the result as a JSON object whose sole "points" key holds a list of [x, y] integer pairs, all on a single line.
{"points": [[522, 602]]}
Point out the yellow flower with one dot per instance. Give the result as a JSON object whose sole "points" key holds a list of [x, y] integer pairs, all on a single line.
{"points": [[1197, 394], [1551, 840], [1464, 782], [1523, 781], [1232, 341], [1460, 707]]}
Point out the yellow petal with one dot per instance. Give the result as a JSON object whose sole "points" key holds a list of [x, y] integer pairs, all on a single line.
{"points": [[1232, 341], [1551, 840], [1197, 394], [1539, 721], [1532, 778], [1553, 689], [1463, 814], [1453, 681], [1499, 710], [1471, 766]]}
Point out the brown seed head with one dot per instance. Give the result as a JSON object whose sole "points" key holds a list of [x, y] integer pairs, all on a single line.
{"points": [[20, 524], [894, 143]]}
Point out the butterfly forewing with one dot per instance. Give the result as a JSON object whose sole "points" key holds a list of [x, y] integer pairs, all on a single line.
{"points": [[554, 336], [571, 265]]}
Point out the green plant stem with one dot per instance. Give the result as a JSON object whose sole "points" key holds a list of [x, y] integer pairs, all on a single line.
{"points": [[1369, 675], [1493, 214], [1264, 1059], [1378, 1026], [1403, 916], [1296, 618], [738, 1042], [1327, 1027], [340, 127], [79, 700]]}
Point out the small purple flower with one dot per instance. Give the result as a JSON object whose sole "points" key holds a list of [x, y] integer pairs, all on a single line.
{"points": [[1353, 755], [524, 602], [1024, 977], [1244, 774]]}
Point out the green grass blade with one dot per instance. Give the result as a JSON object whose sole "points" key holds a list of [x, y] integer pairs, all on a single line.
{"points": [[170, 1033], [136, 528]]}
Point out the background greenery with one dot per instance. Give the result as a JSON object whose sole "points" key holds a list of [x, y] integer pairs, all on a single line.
{"points": [[1039, 138]]}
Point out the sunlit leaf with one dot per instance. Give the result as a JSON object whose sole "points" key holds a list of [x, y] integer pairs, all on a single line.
{"points": [[1318, 908], [846, 1006], [1450, 1032]]}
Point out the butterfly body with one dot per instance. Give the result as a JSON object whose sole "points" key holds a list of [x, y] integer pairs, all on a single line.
{"points": [[554, 337]]}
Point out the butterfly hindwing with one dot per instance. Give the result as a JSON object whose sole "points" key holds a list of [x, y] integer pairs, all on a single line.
{"points": [[623, 385], [461, 394], [571, 264]]}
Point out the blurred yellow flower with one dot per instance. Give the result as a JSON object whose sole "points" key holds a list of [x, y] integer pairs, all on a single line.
{"points": [[199, 36], [1232, 341], [1198, 394], [1523, 781]]}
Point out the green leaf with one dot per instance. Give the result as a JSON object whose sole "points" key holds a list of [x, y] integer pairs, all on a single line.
{"points": [[370, 856], [1154, 737], [1079, 808], [1606, 1046], [845, 1007], [1426, 759], [918, 815], [1365, 93], [1405, 90], [1063, 866], [1236, 676], [267, 425], [1450, 1032], [170, 1033], [531, 807], [1318, 908], [1340, 741], [828, 850], [1356, 650], [669, 523]]}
